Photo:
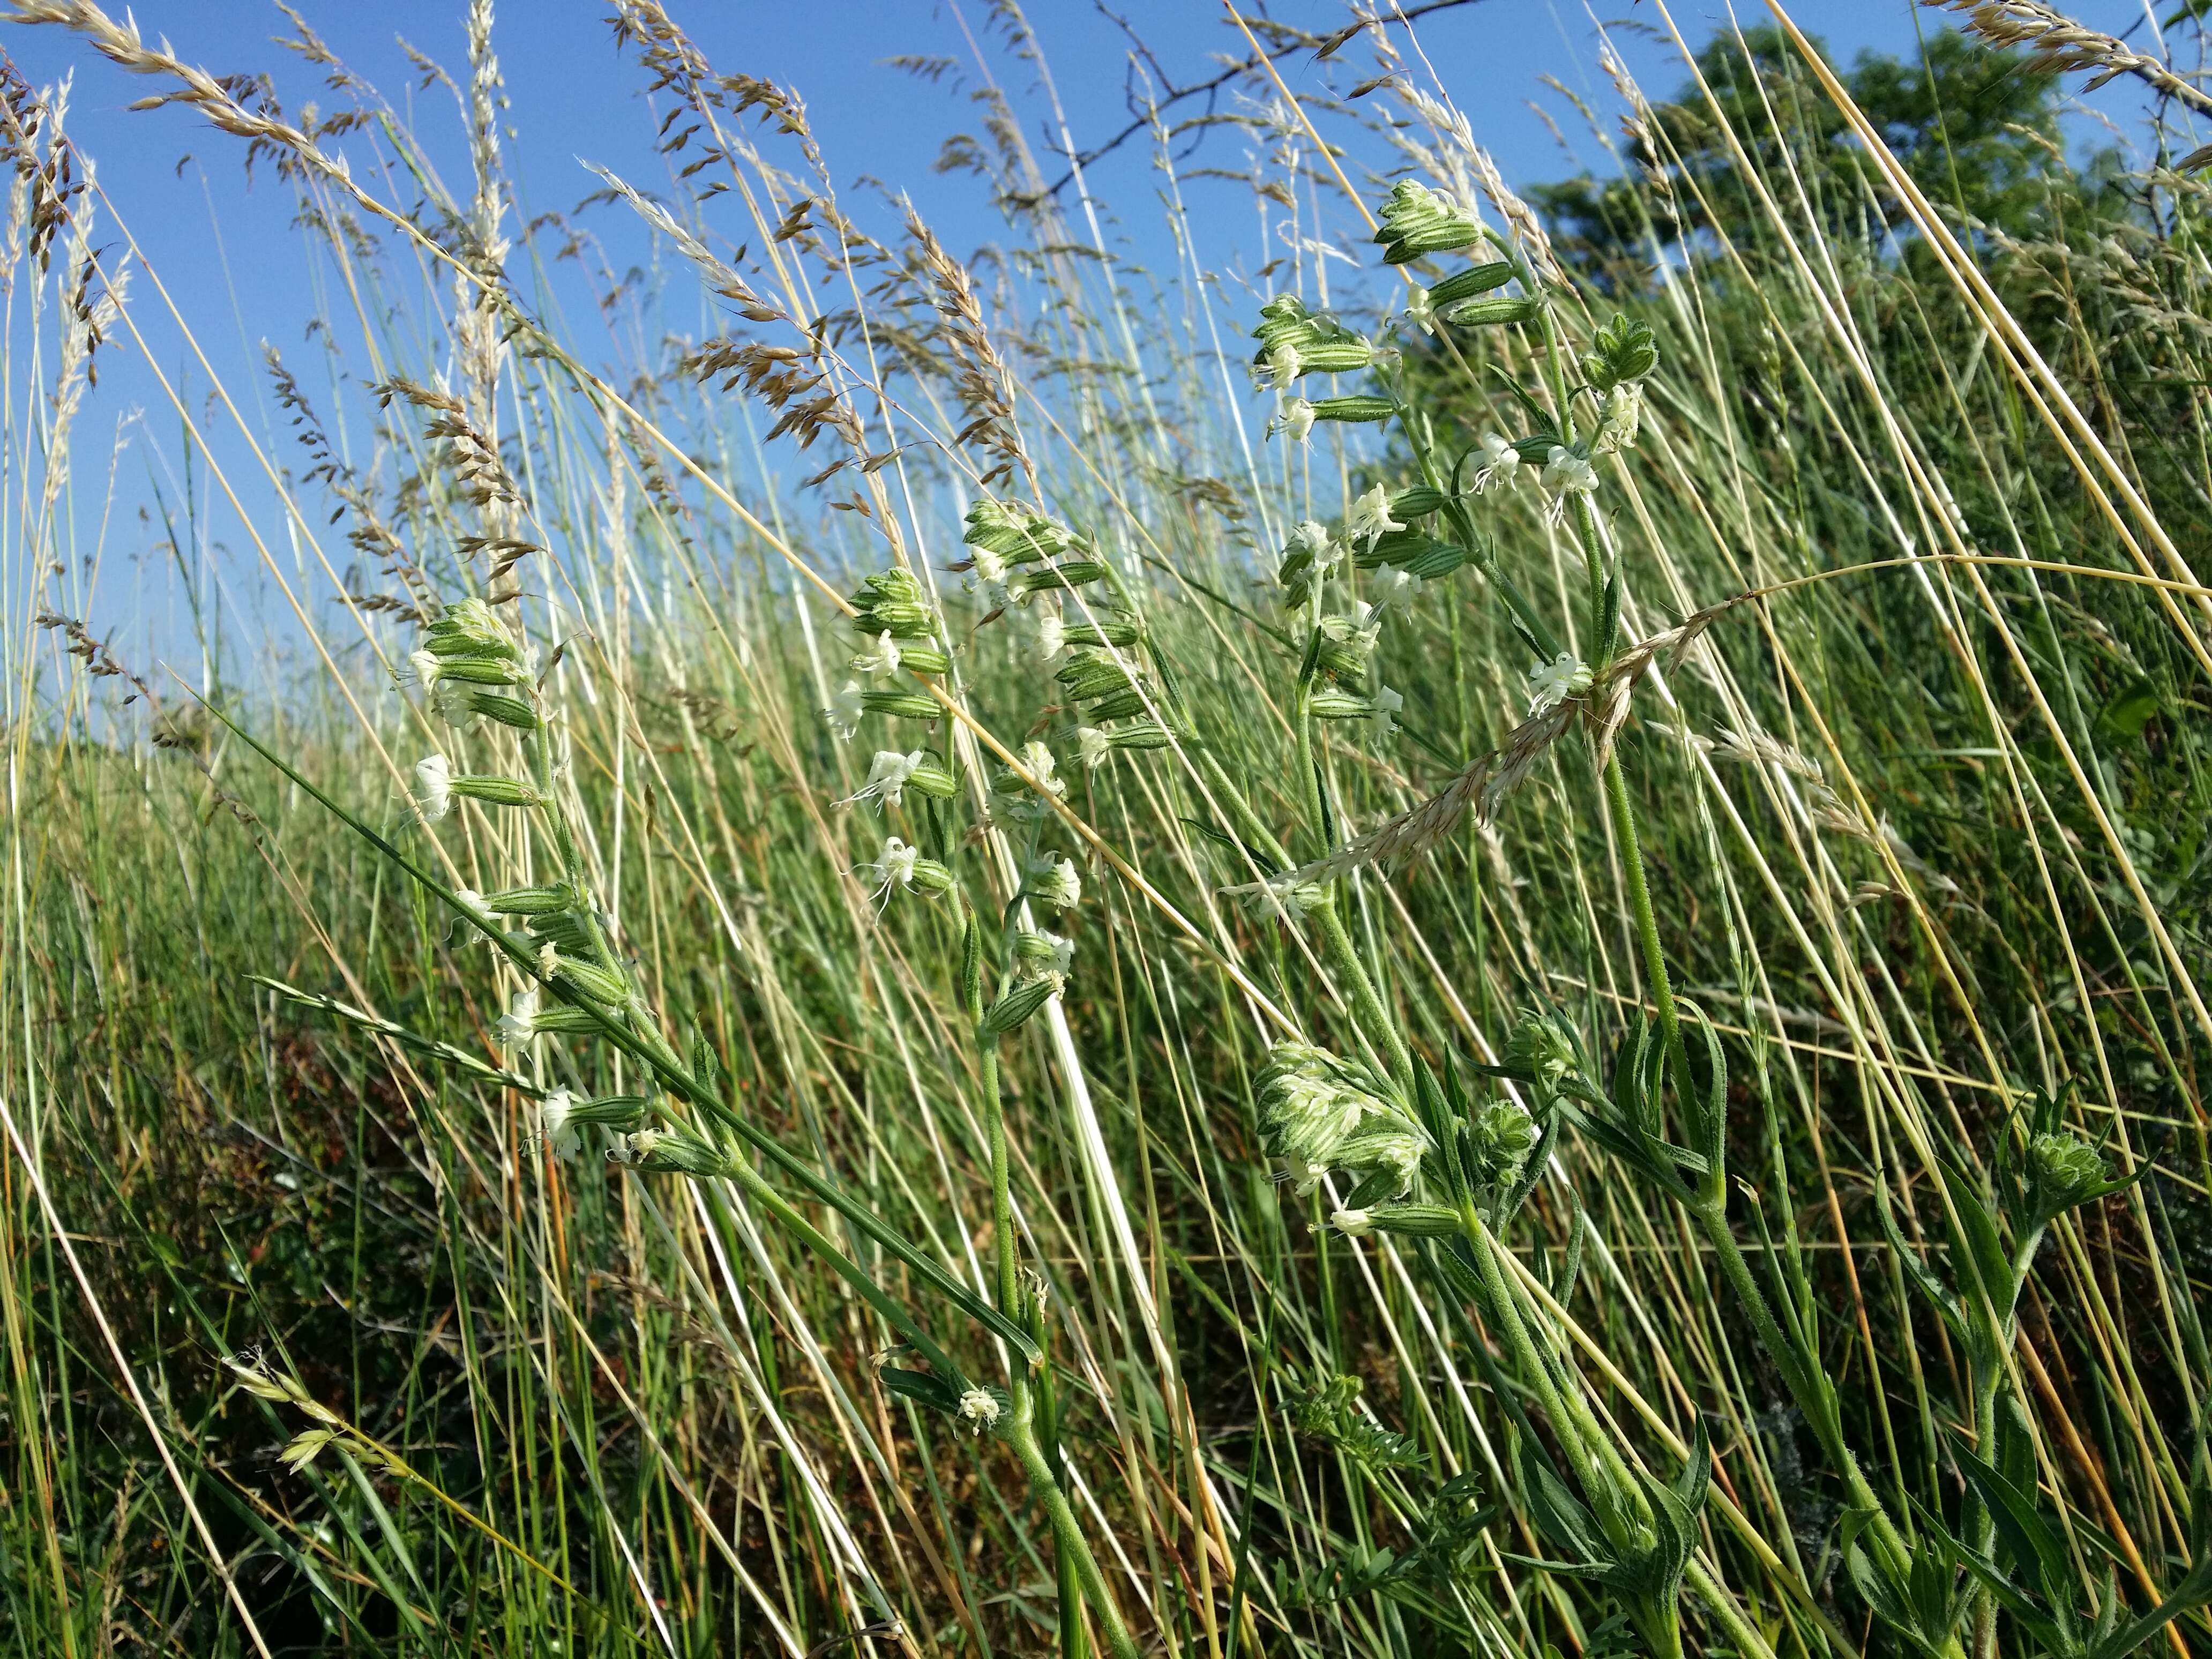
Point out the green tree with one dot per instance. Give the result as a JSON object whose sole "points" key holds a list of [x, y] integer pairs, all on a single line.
{"points": [[1974, 125]]}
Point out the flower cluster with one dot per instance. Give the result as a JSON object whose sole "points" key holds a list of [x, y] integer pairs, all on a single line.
{"points": [[472, 667], [1319, 1112]]}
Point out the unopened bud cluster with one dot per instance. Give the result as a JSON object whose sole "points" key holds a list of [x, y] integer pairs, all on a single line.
{"points": [[1319, 1112]]}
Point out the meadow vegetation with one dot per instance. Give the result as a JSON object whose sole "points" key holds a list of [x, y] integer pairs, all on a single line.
{"points": [[982, 953]]}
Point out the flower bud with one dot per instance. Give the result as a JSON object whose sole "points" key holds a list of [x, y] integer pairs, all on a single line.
{"points": [[1622, 351], [1013, 1009], [671, 1150], [492, 790], [1046, 579], [594, 981], [1408, 1220], [1500, 1137], [1490, 313], [1364, 408], [1044, 955], [531, 901], [902, 705], [470, 628], [1543, 1049], [1417, 221], [1473, 282], [1108, 630], [2064, 1169]]}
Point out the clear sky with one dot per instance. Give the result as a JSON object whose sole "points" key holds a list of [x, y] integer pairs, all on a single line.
{"points": [[240, 274]]}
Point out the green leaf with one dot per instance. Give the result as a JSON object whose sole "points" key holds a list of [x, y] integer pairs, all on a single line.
{"points": [[2127, 713]]}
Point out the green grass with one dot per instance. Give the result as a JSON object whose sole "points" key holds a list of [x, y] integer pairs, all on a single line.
{"points": [[1921, 840]]}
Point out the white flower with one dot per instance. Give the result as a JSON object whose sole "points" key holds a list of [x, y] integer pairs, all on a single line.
{"points": [[1038, 761], [1056, 883], [1617, 423], [1358, 628], [883, 657], [561, 1135], [425, 668], [1318, 544], [1370, 520], [1501, 463], [1387, 705], [1397, 585], [977, 1409], [844, 712], [990, 567], [1294, 417], [894, 868], [1353, 1224], [453, 703], [515, 1027], [1045, 956], [1094, 746], [1279, 897], [1419, 312], [433, 787], [475, 920], [887, 777], [1052, 636], [1550, 683], [1566, 474]]}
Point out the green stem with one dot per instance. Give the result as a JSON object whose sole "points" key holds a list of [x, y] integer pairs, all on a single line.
{"points": [[1623, 814], [1067, 1530], [1035, 1408], [1810, 1396]]}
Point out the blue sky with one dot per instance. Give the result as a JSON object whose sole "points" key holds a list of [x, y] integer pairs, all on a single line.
{"points": [[238, 271]]}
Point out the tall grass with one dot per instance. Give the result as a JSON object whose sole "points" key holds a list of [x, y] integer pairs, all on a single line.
{"points": [[1864, 825]]}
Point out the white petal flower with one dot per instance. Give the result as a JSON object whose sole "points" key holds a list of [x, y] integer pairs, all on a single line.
{"points": [[1052, 636], [1550, 683], [1370, 520], [1094, 745], [844, 712], [515, 1027], [1353, 1224], [1387, 703], [977, 1409], [882, 658], [894, 868], [990, 567], [1421, 311], [1316, 541], [1501, 463], [433, 787], [453, 703], [474, 923], [1566, 474], [561, 1135], [1617, 423], [1038, 761], [1396, 586], [887, 778], [1057, 883], [1294, 418], [1279, 897]]}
